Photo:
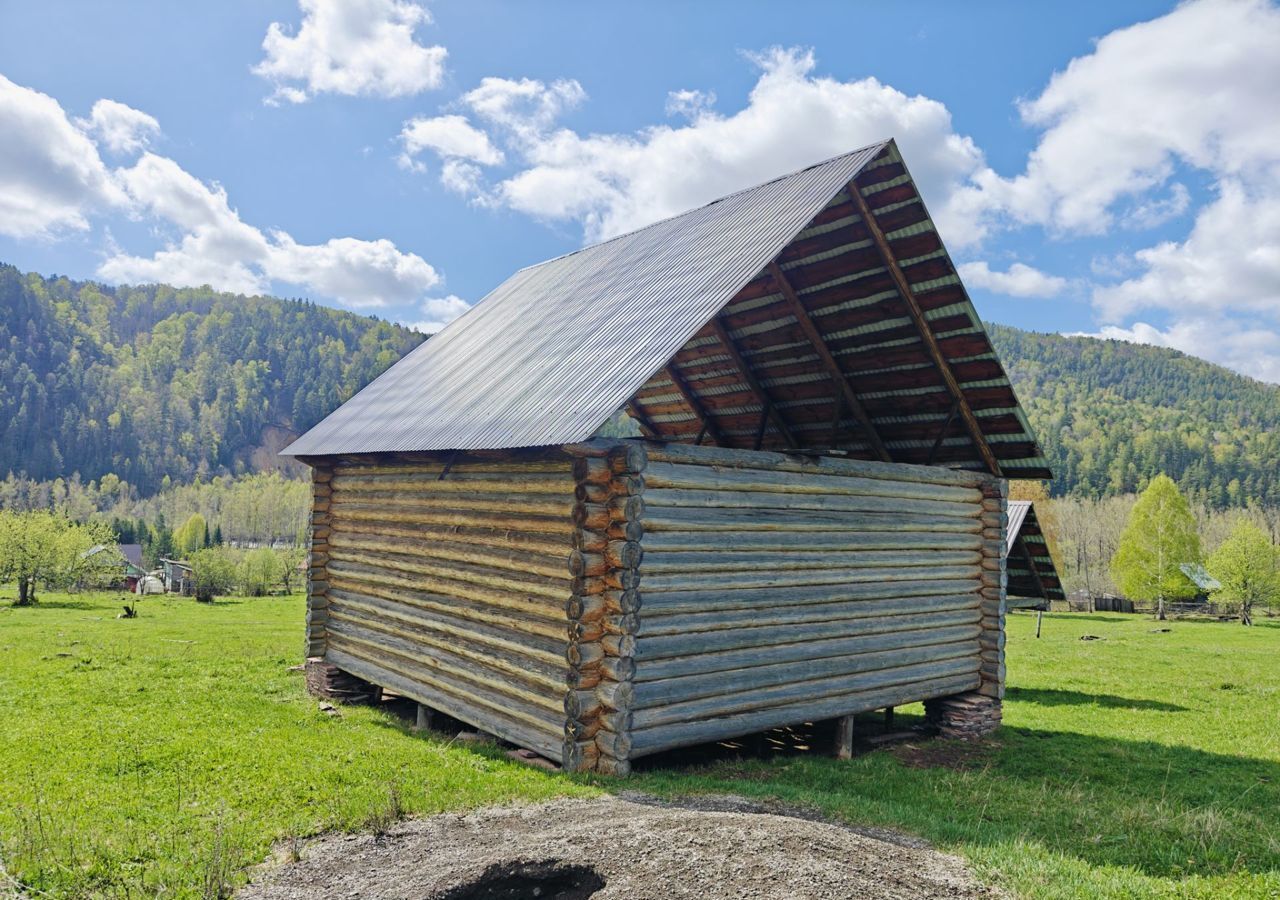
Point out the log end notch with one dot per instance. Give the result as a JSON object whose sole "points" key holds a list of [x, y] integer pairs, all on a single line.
{"points": [[602, 611]]}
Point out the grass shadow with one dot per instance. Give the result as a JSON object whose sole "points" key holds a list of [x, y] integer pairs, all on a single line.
{"points": [[1165, 811], [1054, 697]]}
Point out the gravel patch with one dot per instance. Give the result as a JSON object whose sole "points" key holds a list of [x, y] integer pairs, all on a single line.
{"points": [[616, 847]]}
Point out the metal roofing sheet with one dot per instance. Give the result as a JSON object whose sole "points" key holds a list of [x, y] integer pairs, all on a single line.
{"points": [[1017, 514], [557, 348]]}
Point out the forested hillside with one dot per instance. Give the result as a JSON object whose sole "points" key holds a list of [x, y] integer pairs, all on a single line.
{"points": [[1111, 415], [153, 382]]}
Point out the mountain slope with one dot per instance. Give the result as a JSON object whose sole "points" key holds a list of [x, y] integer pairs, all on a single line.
{"points": [[1111, 415], [152, 382]]}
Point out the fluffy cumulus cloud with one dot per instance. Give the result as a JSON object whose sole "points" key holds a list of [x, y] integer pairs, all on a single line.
{"points": [[352, 47], [612, 183], [51, 174], [452, 137], [53, 179], [1019, 280], [438, 312], [121, 128], [1183, 92]]}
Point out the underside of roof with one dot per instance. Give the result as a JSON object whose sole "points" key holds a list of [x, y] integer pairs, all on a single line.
{"points": [[1032, 574], [819, 311]]}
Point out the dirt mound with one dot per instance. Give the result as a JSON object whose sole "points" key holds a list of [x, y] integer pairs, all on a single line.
{"points": [[617, 848]]}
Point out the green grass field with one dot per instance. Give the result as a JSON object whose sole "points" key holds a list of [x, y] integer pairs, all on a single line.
{"points": [[160, 756]]}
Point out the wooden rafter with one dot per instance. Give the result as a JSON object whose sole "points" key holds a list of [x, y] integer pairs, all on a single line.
{"points": [[757, 388], [705, 424], [922, 325], [828, 360], [1031, 564], [642, 419]]}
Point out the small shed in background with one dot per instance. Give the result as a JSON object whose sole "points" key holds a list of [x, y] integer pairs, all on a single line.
{"points": [[1033, 578], [812, 525]]}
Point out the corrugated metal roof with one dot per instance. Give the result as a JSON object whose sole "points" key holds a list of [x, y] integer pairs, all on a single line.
{"points": [[1017, 513], [556, 349]]}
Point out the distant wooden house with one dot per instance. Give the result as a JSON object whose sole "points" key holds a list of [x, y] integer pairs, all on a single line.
{"points": [[812, 525], [126, 558], [1033, 578], [177, 576]]}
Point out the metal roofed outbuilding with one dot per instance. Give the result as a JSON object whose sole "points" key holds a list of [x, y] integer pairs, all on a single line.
{"points": [[813, 525]]}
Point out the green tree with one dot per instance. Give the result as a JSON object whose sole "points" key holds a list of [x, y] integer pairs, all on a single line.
{"points": [[1248, 566], [190, 535], [1159, 537], [39, 546], [259, 571], [214, 571]]}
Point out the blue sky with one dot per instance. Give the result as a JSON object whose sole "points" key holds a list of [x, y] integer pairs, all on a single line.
{"points": [[1102, 168]]}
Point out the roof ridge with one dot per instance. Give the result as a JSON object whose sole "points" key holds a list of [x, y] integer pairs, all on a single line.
{"points": [[721, 199]]}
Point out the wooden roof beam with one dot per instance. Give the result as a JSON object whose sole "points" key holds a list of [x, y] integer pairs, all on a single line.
{"points": [[700, 412], [1033, 566], [828, 360], [757, 388], [922, 325], [642, 419]]}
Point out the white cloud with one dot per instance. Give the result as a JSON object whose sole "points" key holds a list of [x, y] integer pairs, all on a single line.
{"points": [[352, 47], [612, 183], [1020, 280], [216, 248], [439, 312], [689, 103], [51, 175], [1249, 350], [1191, 87], [450, 136], [526, 107], [122, 128]]}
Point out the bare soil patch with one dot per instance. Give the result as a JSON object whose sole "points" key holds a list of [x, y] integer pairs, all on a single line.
{"points": [[613, 847]]}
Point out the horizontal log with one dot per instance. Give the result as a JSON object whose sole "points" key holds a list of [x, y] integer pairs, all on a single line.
{"points": [[668, 645], [516, 483], [836, 539], [813, 690], [487, 719], [502, 504], [556, 547], [376, 518], [544, 621], [729, 479], [542, 669], [656, 605], [822, 465], [545, 694], [665, 691], [784, 617], [458, 467], [734, 580], [670, 518], [481, 583], [513, 560], [653, 740], [404, 609], [740, 660], [737, 561], [657, 498]]}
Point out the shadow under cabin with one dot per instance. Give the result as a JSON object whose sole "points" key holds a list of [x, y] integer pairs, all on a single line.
{"points": [[811, 523]]}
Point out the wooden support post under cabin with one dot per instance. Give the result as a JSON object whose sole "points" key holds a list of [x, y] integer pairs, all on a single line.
{"points": [[888, 718], [927, 336], [424, 718], [749, 377], [844, 738], [1039, 619]]}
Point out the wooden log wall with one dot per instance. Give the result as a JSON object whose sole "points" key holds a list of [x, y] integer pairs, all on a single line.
{"points": [[995, 581], [317, 584], [444, 579], [775, 589]]}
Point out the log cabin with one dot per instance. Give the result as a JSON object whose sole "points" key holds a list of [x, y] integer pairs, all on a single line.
{"points": [[811, 522]]}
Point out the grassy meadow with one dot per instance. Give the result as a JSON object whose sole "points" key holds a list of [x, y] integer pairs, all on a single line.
{"points": [[161, 756]]}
